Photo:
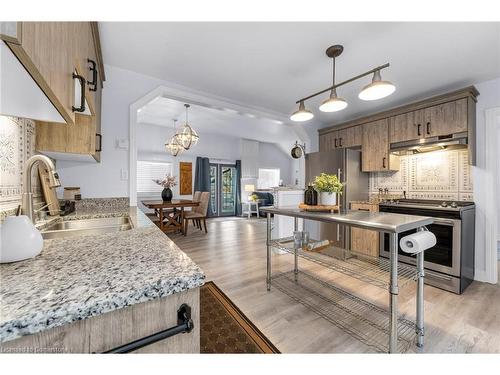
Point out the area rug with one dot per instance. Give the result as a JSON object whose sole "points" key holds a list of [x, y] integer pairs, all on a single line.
{"points": [[225, 329]]}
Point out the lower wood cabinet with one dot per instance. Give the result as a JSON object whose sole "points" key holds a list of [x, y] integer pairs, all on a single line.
{"points": [[365, 241], [110, 330], [375, 148]]}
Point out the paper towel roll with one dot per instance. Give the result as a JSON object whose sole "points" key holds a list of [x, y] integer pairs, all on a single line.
{"points": [[417, 242]]}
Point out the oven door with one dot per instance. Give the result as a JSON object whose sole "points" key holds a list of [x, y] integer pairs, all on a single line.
{"points": [[444, 257]]}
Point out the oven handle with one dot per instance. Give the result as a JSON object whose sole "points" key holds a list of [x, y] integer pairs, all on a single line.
{"points": [[449, 222]]}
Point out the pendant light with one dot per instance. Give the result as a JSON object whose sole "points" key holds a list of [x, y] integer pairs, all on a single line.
{"points": [[302, 114], [378, 89], [333, 103], [174, 147], [187, 137]]}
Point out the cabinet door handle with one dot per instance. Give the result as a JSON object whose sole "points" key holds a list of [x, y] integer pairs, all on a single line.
{"points": [[418, 129], [428, 128], [364, 209], [98, 135], [383, 162], [93, 69], [340, 142], [82, 94], [336, 143]]}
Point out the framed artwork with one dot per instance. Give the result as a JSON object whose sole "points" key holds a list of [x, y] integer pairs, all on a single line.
{"points": [[185, 178]]}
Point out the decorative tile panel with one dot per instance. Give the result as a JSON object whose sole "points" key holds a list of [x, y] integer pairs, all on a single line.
{"points": [[17, 145], [439, 175]]}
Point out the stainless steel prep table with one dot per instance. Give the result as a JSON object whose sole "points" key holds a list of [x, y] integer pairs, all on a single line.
{"points": [[363, 267]]}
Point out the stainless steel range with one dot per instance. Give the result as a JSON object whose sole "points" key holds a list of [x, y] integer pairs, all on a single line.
{"points": [[450, 264]]}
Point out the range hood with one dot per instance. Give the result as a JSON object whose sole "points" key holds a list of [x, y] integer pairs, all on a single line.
{"points": [[446, 142]]}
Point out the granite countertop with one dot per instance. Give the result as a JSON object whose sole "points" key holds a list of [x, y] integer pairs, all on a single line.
{"points": [[81, 277]]}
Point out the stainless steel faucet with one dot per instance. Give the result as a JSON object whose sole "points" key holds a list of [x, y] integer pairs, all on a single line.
{"points": [[27, 203]]}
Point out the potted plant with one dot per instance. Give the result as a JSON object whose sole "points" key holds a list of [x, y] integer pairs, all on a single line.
{"points": [[328, 186], [168, 182]]}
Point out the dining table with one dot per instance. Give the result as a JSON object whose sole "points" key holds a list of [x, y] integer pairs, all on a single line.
{"points": [[170, 213]]}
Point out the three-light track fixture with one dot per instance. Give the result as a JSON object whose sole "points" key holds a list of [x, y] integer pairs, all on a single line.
{"points": [[377, 89]]}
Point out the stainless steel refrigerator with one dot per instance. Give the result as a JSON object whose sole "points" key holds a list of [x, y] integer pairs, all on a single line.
{"points": [[346, 164]]}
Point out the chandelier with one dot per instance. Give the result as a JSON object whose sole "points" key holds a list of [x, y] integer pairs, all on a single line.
{"points": [[187, 137], [377, 89], [174, 147]]}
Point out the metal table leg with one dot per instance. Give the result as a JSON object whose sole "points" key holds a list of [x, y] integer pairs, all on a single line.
{"points": [[296, 251], [268, 243], [394, 291], [420, 298]]}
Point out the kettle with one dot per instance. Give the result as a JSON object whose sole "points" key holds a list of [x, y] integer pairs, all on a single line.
{"points": [[19, 239]]}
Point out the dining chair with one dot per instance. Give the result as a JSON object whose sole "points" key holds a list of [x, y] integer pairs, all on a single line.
{"points": [[198, 214]]}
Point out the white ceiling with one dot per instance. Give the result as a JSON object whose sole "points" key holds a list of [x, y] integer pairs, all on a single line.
{"points": [[205, 119], [271, 65]]}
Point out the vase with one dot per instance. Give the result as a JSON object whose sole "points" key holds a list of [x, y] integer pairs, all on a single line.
{"points": [[166, 194], [328, 199], [311, 196]]}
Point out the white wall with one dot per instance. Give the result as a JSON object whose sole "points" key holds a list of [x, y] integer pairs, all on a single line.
{"points": [[122, 88], [489, 98]]}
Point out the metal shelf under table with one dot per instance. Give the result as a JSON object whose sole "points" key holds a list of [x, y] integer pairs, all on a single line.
{"points": [[375, 271], [362, 320]]}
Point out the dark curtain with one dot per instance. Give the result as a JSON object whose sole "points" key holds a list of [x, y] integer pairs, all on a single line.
{"points": [[202, 178], [238, 187]]}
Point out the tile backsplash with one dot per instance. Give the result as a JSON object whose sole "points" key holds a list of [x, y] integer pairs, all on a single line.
{"points": [[17, 145], [435, 175]]}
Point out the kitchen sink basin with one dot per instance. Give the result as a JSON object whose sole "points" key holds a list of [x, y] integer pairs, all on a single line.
{"points": [[73, 228]]}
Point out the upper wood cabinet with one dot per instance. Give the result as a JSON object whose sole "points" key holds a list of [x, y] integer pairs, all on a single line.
{"points": [[46, 50], [375, 148], [446, 119], [343, 138], [52, 52], [83, 137], [440, 116]]}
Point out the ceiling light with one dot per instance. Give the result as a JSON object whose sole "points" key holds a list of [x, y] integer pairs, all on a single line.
{"points": [[174, 147], [187, 137], [378, 89], [302, 114], [333, 103]]}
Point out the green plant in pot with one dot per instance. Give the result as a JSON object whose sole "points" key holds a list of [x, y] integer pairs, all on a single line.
{"points": [[328, 186]]}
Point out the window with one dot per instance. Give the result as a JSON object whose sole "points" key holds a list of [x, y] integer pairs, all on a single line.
{"points": [[147, 171], [268, 178]]}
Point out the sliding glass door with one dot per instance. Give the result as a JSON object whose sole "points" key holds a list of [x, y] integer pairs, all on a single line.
{"points": [[223, 189]]}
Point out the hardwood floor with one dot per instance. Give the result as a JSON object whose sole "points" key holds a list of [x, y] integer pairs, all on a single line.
{"points": [[233, 255]]}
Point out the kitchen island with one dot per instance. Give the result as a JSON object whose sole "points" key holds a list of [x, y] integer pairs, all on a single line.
{"points": [[93, 293], [362, 319]]}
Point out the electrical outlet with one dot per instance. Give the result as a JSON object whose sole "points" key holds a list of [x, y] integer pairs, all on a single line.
{"points": [[124, 174]]}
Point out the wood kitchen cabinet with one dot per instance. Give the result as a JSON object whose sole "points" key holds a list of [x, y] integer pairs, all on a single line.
{"points": [[47, 50], [446, 119], [365, 241], [82, 137], [112, 329], [342, 138], [375, 148], [443, 116]]}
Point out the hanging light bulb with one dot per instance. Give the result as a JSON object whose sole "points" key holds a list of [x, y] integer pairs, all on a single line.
{"points": [[302, 114], [187, 137], [174, 147], [378, 89], [333, 103]]}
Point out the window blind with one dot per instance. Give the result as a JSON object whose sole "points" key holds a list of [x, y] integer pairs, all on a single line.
{"points": [[147, 171]]}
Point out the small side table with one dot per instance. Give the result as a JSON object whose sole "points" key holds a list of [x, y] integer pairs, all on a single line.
{"points": [[251, 208]]}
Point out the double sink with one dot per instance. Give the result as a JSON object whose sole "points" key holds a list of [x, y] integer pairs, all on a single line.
{"points": [[72, 228]]}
